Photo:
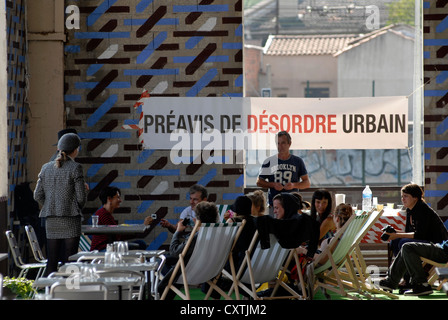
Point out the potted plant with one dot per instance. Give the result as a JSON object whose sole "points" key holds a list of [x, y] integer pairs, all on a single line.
{"points": [[22, 288]]}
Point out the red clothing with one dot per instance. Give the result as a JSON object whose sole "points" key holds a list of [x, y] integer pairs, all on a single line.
{"points": [[99, 242]]}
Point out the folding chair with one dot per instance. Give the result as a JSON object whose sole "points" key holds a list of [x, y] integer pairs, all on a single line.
{"points": [[364, 279], [84, 243], [222, 209], [432, 278], [83, 291], [17, 257], [265, 265], [327, 265], [34, 243], [212, 250]]}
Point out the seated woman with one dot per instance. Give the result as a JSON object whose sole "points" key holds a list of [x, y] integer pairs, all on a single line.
{"points": [[291, 228], [258, 203], [342, 213], [321, 206], [111, 199]]}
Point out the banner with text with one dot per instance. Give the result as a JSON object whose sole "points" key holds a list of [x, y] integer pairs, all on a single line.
{"points": [[223, 123]]}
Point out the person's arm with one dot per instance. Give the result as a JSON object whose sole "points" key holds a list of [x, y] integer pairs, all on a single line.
{"points": [[408, 235], [39, 193], [166, 224], [326, 226], [178, 241], [304, 183], [269, 185]]}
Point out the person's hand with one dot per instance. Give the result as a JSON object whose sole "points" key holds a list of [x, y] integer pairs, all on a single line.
{"points": [[301, 250], [148, 221], [288, 186], [165, 223], [180, 226], [278, 186]]}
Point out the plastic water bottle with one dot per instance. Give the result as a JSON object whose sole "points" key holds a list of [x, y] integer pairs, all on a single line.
{"points": [[366, 199]]}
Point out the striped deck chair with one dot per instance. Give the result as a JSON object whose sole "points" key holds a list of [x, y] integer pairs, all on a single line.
{"points": [[327, 265], [84, 243], [265, 265], [363, 279], [222, 209], [212, 250]]}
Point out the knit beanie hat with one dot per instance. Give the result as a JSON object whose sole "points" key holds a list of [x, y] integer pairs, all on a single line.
{"points": [[69, 142]]}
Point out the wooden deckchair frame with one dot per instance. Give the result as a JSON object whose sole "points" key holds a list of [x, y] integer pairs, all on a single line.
{"points": [[356, 278], [363, 277], [182, 266], [337, 255], [248, 266], [432, 278]]}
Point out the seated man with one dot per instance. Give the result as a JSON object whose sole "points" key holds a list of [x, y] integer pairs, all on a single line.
{"points": [[206, 212], [408, 260], [111, 198], [197, 194]]}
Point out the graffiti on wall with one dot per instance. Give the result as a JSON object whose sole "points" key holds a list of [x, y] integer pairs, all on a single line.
{"points": [[346, 168]]}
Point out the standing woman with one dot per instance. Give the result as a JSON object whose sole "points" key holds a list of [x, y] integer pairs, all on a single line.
{"points": [[62, 192]]}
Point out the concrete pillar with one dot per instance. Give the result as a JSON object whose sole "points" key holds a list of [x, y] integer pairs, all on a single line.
{"points": [[46, 80]]}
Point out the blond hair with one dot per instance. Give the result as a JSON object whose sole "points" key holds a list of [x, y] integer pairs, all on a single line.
{"points": [[258, 200], [344, 212]]}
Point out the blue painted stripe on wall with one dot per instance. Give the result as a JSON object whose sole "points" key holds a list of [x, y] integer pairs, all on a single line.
{"points": [[72, 97], [442, 127], [192, 42], [138, 172], [436, 144], [99, 11], [161, 22], [443, 25], [201, 8], [93, 170], [435, 42], [231, 196], [144, 155], [104, 135], [102, 110], [442, 178], [208, 177], [102, 35], [142, 5], [144, 206], [160, 240], [436, 193], [435, 93], [150, 72], [151, 47], [442, 76], [201, 83]]}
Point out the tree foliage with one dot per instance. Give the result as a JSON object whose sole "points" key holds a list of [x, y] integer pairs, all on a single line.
{"points": [[402, 12]]}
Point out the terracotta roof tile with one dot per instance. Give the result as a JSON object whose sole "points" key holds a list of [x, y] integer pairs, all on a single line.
{"points": [[284, 45]]}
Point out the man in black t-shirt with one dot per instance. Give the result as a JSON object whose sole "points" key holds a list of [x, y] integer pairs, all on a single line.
{"points": [[283, 172]]}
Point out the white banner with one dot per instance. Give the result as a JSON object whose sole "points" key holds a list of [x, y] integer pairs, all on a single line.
{"points": [[223, 123]]}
